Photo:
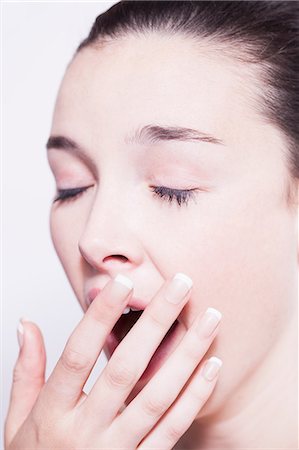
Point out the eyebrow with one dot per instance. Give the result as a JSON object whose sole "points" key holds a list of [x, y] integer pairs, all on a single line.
{"points": [[65, 143], [148, 134], [151, 134]]}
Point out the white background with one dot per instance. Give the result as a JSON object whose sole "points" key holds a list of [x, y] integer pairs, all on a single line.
{"points": [[38, 41]]}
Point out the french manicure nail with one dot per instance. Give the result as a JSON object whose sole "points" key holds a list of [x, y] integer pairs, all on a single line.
{"points": [[178, 288], [211, 368], [125, 281], [20, 333], [209, 322]]}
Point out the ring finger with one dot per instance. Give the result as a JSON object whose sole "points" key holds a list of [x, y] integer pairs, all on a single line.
{"points": [[161, 391]]}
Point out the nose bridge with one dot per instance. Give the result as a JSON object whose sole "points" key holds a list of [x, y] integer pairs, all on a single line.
{"points": [[109, 227], [109, 205]]}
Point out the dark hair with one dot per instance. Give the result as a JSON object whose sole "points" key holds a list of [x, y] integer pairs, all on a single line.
{"points": [[261, 33]]}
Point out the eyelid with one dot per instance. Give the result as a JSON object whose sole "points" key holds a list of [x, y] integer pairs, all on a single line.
{"points": [[182, 196], [69, 193]]}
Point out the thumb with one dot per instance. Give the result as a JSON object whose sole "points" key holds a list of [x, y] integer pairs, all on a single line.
{"points": [[28, 376]]}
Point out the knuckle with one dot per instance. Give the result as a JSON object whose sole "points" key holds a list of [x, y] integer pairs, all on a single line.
{"points": [[158, 321], [175, 431], [24, 374], [191, 353], [74, 361], [200, 396], [17, 375], [155, 407], [192, 350], [120, 373], [21, 374]]}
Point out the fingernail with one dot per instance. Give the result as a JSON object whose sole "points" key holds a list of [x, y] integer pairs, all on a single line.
{"points": [[211, 368], [178, 288], [209, 322], [125, 281], [20, 334], [20, 330]]}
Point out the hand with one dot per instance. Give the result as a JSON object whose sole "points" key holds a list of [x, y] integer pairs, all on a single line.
{"points": [[58, 414]]}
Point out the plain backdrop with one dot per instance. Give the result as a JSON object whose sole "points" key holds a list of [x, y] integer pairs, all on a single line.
{"points": [[38, 41]]}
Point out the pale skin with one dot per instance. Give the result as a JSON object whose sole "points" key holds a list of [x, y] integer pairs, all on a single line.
{"points": [[237, 242]]}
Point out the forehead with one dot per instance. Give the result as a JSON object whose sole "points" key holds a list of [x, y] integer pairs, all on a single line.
{"points": [[157, 78]]}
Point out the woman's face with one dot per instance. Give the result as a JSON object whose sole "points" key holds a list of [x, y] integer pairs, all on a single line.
{"points": [[236, 237]]}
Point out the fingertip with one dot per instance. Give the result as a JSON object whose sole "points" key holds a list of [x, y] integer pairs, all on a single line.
{"points": [[32, 353], [24, 319], [21, 330], [29, 335], [20, 333]]}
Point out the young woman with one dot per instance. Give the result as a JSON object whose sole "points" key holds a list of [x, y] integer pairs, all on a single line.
{"points": [[174, 147]]}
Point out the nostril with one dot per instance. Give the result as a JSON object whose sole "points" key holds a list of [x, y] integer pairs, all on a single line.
{"points": [[120, 257]]}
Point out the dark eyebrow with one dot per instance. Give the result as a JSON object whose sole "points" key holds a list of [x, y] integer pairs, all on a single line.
{"points": [[65, 143], [149, 134]]}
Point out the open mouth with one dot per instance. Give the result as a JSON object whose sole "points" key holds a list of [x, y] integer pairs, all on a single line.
{"points": [[125, 323]]}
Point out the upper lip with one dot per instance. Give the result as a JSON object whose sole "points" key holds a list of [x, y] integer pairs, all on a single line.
{"points": [[134, 302]]}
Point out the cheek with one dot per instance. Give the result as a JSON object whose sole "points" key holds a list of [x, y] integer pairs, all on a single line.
{"points": [[238, 255], [240, 261], [65, 232], [64, 228]]}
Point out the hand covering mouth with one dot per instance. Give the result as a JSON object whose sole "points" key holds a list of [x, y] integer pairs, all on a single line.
{"points": [[126, 321]]}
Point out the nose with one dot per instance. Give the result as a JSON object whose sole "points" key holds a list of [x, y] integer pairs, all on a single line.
{"points": [[109, 242]]}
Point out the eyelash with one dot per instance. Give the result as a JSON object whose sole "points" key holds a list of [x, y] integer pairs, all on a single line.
{"points": [[182, 196]]}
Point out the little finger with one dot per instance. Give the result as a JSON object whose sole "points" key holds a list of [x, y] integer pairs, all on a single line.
{"points": [[184, 410]]}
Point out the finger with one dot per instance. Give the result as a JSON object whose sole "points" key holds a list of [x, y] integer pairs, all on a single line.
{"points": [[161, 391], [64, 386], [28, 377], [133, 354], [184, 410]]}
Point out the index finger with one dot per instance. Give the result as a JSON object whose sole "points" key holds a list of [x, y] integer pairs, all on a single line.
{"points": [[65, 384]]}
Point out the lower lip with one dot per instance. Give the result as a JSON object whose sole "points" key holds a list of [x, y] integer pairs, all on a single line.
{"points": [[163, 350]]}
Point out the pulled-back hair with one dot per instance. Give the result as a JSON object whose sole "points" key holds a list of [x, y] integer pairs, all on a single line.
{"points": [[263, 34]]}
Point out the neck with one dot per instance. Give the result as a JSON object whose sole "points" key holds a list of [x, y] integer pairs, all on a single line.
{"points": [[267, 420]]}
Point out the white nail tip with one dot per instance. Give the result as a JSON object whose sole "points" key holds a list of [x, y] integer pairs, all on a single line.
{"points": [[215, 312], [20, 328], [216, 360], [126, 310], [183, 277], [124, 281]]}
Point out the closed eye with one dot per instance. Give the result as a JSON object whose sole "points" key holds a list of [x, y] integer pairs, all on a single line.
{"points": [[182, 196], [67, 194]]}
